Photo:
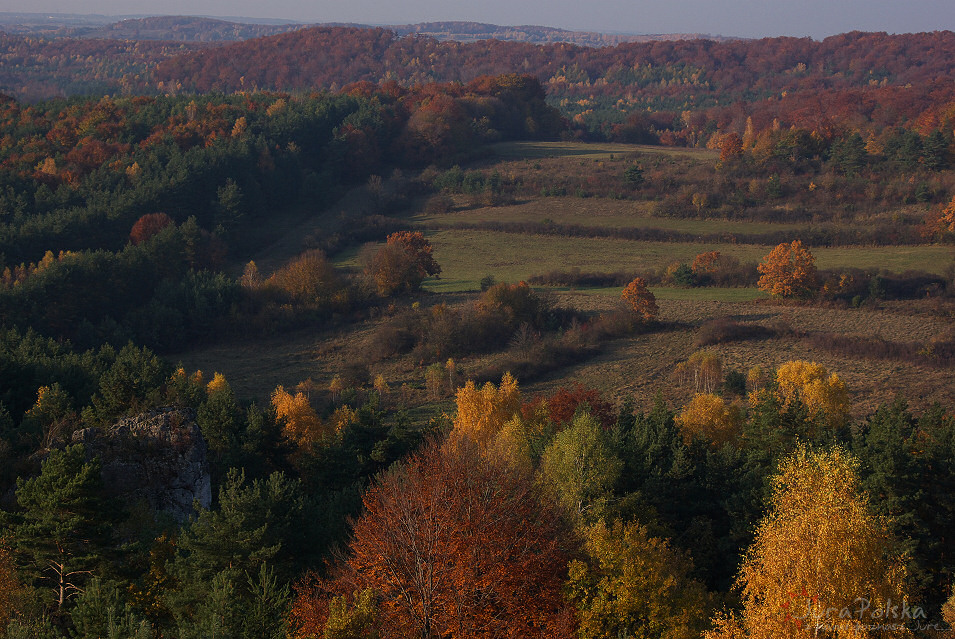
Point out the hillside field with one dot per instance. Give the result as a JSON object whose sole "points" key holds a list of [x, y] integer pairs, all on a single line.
{"points": [[639, 366]]}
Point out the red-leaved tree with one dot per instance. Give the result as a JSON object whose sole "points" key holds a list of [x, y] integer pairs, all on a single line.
{"points": [[148, 226]]}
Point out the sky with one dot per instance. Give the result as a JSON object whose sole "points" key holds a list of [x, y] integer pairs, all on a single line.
{"points": [[743, 18]]}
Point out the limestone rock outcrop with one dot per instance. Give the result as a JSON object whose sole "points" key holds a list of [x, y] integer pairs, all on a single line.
{"points": [[158, 457]]}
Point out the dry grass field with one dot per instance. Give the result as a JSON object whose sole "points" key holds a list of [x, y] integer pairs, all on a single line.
{"points": [[640, 366], [597, 212]]}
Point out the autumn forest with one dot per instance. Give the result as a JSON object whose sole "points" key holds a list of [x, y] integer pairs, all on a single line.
{"points": [[357, 333]]}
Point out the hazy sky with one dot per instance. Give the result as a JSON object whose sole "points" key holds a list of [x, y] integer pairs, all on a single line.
{"points": [[748, 18]]}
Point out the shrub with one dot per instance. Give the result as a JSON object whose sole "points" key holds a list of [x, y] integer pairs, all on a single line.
{"points": [[725, 329]]}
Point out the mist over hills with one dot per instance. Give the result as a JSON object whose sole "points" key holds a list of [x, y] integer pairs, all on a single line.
{"points": [[225, 29]]}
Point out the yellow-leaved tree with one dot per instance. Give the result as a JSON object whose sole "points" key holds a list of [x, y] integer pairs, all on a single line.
{"points": [[824, 394], [482, 413], [219, 384], [302, 424], [822, 564], [709, 417], [52, 416], [635, 585], [703, 369]]}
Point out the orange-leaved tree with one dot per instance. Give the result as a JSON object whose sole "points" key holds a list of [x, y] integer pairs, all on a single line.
{"points": [[718, 269], [731, 147], [640, 300], [946, 222], [302, 424], [705, 263], [402, 263], [789, 270], [308, 278], [563, 403], [458, 543]]}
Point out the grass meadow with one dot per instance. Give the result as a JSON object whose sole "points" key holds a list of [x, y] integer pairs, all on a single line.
{"points": [[600, 151], [466, 256]]}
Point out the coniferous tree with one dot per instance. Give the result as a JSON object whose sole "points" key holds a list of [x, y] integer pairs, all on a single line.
{"points": [[62, 530]]}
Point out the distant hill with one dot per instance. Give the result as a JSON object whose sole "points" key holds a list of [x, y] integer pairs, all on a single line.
{"points": [[167, 28], [35, 67], [819, 85], [701, 69], [215, 29], [618, 91], [187, 29]]}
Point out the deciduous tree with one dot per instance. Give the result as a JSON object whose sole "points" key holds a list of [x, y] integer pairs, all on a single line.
{"points": [[710, 418], [946, 222], [789, 270], [461, 544], [302, 424], [703, 369], [562, 405], [402, 263], [731, 147], [640, 300], [824, 394], [482, 413], [635, 585], [307, 279], [581, 468], [148, 226], [820, 551]]}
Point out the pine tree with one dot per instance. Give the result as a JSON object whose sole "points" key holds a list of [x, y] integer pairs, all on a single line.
{"points": [[63, 526]]}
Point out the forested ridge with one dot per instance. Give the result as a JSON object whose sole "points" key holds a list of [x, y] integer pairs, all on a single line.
{"points": [[845, 80], [677, 91], [401, 478]]}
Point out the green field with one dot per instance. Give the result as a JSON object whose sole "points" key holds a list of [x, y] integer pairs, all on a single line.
{"points": [[710, 293], [519, 150], [466, 256], [705, 293]]}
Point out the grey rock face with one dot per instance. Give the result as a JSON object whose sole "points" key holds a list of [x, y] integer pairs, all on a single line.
{"points": [[159, 456]]}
